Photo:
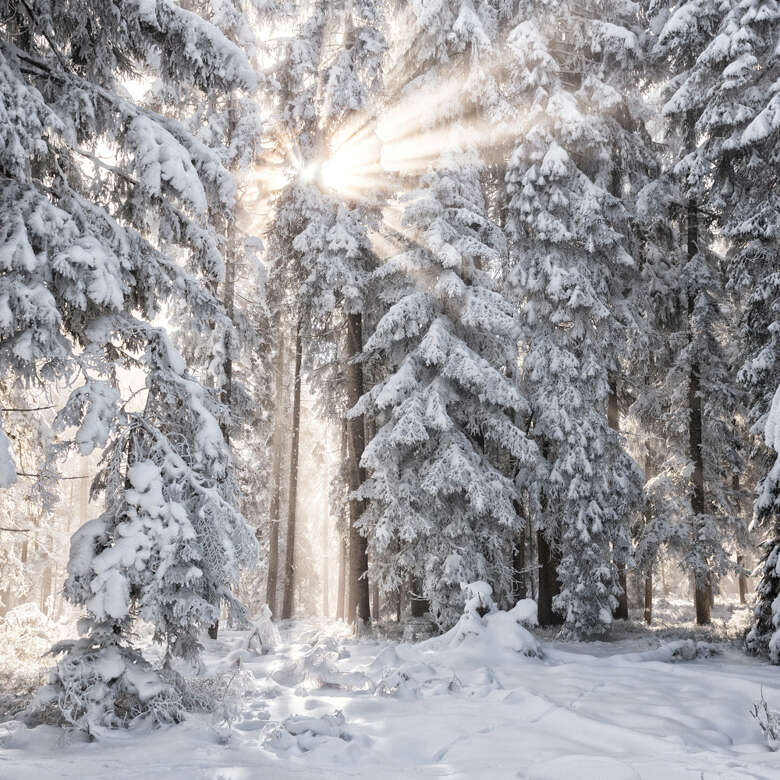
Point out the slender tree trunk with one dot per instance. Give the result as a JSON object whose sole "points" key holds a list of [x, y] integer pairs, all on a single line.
{"points": [[289, 562], [649, 598], [549, 586], [743, 583], [271, 587], [533, 573], [518, 564], [742, 580], [375, 602], [648, 611], [342, 580], [358, 606], [613, 420], [702, 584]]}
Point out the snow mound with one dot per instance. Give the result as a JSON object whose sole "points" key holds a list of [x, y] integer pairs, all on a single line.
{"points": [[681, 650], [483, 627], [305, 733]]}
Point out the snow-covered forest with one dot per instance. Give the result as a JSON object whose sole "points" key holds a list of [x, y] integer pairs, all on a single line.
{"points": [[389, 387]]}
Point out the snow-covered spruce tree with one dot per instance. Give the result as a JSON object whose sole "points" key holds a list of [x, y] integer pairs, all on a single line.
{"points": [[731, 92], [703, 400], [570, 247], [94, 242], [439, 510], [318, 241], [234, 354]]}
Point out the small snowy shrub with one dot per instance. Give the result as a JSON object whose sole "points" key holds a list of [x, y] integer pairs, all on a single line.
{"points": [[99, 685], [768, 721], [483, 625], [264, 636]]}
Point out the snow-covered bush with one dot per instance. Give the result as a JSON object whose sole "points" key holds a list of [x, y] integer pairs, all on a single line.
{"points": [[102, 683], [485, 628], [264, 635]]}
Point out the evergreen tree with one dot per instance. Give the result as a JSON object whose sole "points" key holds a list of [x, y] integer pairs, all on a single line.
{"points": [[93, 250], [571, 247], [439, 509]]}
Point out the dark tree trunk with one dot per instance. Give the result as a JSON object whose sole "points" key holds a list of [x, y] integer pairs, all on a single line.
{"points": [[649, 598], [613, 420], [743, 585], [419, 606], [702, 584], [518, 565], [375, 602], [271, 587], [289, 561], [358, 604], [549, 586]]}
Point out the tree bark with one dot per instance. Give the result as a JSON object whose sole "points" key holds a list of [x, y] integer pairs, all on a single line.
{"points": [[702, 584], [613, 420], [375, 602], [649, 598], [549, 586], [518, 564], [289, 562], [276, 475], [419, 606], [358, 606], [742, 580]]}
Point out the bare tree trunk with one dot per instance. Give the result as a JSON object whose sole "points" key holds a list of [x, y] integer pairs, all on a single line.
{"points": [[289, 562], [342, 579], [375, 602], [358, 606], [742, 580], [649, 598], [549, 586], [276, 474], [703, 585], [518, 565], [613, 420], [648, 611], [743, 583]]}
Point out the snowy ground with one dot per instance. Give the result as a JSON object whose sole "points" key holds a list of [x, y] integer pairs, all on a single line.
{"points": [[471, 704]]}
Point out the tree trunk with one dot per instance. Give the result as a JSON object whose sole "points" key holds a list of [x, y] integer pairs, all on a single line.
{"points": [[518, 564], [358, 606], [743, 585], [549, 586], [613, 420], [375, 602], [289, 561], [649, 598], [702, 587], [271, 587], [419, 605]]}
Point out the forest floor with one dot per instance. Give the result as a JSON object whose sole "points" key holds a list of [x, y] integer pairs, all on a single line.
{"points": [[667, 702]]}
